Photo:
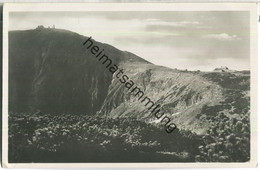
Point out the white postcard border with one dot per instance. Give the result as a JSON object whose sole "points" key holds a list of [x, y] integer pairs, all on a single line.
{"points": [[26, 7]]}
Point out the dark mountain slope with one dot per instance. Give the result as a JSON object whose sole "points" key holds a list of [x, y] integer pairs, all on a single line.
{"points": [[51, 71]]}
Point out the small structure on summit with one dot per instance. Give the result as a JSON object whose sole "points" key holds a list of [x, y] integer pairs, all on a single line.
{"points": [[40, 27], [222, 69]]}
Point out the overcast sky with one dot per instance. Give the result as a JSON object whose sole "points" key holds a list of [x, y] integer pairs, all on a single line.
{"points": [[183, 40]]}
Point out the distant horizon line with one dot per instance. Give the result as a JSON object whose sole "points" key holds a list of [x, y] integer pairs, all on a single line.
{"points": [[174, 68]]}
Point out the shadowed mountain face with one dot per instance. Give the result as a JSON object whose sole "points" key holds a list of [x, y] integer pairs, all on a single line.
{"points": [[52, 72]]}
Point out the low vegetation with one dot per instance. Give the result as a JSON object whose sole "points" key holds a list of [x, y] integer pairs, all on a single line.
{"points": [[80, 138]]}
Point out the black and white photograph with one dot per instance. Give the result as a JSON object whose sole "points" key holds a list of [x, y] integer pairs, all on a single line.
{"points": [[136, 83]]}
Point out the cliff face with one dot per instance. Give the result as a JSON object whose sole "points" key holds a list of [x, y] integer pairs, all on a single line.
{"points": [[51, 71], [181, 94], [191, 99]]}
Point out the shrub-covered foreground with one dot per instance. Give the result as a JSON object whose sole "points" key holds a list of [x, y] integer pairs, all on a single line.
{"points": [[80, 138]]}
